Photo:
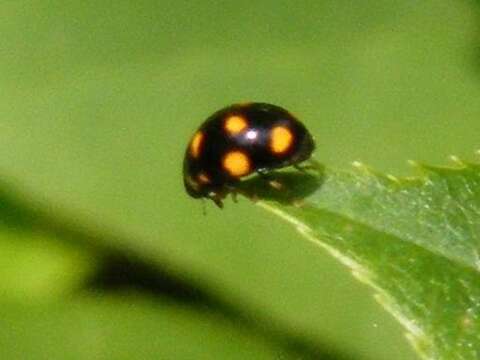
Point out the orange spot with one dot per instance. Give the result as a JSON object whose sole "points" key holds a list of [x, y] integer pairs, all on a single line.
{"points": [[196, 144], [236, 163], [203, 178], [235, 124], [281, 139]]}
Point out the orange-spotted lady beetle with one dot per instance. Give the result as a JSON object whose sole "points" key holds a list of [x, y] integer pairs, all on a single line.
{"points": [[239, 140]]}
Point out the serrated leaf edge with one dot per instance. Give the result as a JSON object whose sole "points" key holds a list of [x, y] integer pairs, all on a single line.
{"points": [[415, 335]]}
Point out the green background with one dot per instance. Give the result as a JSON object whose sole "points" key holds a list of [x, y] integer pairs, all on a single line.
{"points": [[97, 103]]}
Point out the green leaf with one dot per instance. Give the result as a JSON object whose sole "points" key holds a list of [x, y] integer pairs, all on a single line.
{"points": [[128, 328], [44, 256], [38, 263], [415, 240], [37, 267], [98, 102]]}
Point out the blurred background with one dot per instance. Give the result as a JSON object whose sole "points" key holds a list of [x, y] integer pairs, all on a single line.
{"points": [[103, 255]]}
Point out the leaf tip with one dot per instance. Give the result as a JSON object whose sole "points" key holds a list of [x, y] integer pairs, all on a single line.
{"points": [[358, 164], [393, 178], [456, 160], [414, 164], [362, 167]]}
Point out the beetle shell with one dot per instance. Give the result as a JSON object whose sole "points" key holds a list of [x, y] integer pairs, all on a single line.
{"points": [[239, 140]]}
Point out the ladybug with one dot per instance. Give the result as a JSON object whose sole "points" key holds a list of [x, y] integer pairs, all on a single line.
{"points": [[239, 140]]}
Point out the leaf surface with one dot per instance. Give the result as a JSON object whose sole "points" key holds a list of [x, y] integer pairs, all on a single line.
{"points": [[415, 240]]}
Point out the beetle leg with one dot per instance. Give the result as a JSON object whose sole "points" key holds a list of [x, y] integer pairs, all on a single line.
{"points": [[218, 202], [216, 198], [302, 168], [262, 172]]}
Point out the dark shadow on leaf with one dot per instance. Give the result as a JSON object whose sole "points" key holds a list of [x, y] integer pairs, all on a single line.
{"points": [[120, 274], [286, 188], [13, 214], [473, 55], [123, 271]]}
